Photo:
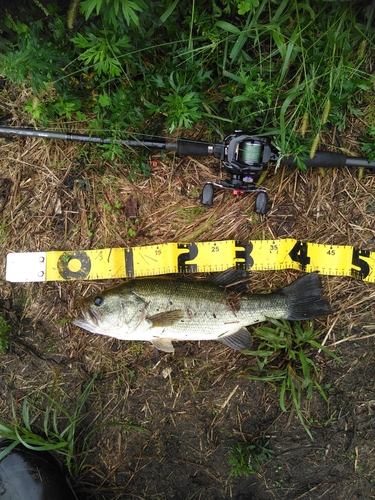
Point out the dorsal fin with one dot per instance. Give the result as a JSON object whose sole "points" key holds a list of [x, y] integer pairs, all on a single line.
{"points": [[235, 279]]}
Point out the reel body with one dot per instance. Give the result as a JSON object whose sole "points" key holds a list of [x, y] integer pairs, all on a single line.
{"points": [[244, 157]]}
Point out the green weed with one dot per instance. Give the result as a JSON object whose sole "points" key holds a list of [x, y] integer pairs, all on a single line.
{"points": [[245, 459], [114, 10], [115, 208], [283, 68], [5, 329], [283, 359], [368, 144], [191, 214], [45, 424], [101, 51], [57, 432], [128, 426]]}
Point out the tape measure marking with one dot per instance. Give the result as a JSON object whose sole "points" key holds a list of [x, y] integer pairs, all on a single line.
{"points": [[94, 264], [210, 256]]}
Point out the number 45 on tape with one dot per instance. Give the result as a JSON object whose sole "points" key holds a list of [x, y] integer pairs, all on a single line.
{"points": [[208, 256]]}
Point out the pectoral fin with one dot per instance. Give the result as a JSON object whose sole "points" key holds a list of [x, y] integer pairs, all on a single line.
{"points": [[239, 340], [163, 345], [167, 318]]}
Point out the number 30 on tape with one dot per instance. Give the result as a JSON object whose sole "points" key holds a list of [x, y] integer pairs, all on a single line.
{"points": [[214, 256]]}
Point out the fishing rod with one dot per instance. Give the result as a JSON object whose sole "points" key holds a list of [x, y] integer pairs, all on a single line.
{"points": [[244, 157]]}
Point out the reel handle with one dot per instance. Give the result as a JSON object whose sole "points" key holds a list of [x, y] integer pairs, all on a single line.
{"points": [[207, 196], [261, 201]]}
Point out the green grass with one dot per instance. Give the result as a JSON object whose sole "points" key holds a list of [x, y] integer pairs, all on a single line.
{"points": [[53, 421], [245, 459], [285, 358], [5, 329], [368, 144], [289, 69], [57, 429]]}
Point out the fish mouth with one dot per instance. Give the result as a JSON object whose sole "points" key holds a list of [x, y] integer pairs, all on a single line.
{"points": [[89, 317], [92, 316]]}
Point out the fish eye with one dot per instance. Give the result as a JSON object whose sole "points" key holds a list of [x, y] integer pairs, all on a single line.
{"points": [[98, 301]]}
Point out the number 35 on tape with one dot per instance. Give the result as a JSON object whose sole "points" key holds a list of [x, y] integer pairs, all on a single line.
{"points": [[214, 256]]}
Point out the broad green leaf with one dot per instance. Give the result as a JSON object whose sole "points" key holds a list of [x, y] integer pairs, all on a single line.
{"points": [[228, 27]]}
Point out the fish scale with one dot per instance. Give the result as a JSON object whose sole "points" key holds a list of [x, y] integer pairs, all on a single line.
{"points": [[165, 309], [208, 307]]}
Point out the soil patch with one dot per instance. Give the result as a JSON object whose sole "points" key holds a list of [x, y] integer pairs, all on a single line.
{"points": [[162, 425]]}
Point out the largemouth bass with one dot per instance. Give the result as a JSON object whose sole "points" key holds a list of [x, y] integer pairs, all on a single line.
{"points": [[161, 310]]}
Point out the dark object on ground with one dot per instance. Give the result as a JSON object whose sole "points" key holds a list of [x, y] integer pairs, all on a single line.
{"points": [[32, 475]]}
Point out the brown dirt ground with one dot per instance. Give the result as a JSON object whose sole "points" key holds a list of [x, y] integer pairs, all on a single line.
{"points": [[168, 437]]}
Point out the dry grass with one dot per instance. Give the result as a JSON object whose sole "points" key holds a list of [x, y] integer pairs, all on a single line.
{"points": [[190, 404]]}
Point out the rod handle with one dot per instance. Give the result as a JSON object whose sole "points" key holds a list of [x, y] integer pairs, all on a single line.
{"points": [[186, 147], [325, 159]]}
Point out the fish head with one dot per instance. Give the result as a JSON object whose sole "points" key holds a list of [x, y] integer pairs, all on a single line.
{"points": [[115, 312]]}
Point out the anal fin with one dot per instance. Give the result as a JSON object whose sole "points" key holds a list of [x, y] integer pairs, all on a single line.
{"points": [[239, 341], [164, 345]]}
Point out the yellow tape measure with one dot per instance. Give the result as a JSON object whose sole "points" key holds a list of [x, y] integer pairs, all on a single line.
{"points": [[209, 256]]}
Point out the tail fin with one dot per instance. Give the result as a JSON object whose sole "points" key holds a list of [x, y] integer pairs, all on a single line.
{"points": [[304, 298]]}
